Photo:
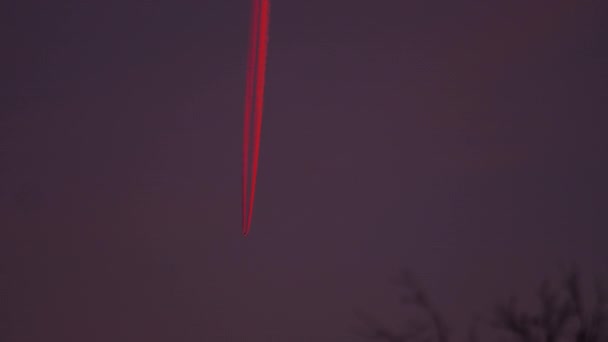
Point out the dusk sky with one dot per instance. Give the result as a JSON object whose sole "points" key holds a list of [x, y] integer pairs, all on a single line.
{"points": [[462, 140]]}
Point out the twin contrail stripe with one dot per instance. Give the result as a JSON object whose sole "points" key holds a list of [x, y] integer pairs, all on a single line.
{"points": [[254, 99]]}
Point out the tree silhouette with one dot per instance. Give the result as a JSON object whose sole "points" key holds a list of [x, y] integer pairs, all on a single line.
{"points": [[562, 314]]}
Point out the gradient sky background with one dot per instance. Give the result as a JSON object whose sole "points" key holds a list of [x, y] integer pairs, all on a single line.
{"points": [[464, 140]]}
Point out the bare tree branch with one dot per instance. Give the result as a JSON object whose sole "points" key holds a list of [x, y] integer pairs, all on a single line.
{"points": [[563, 314], [560, 308], [427, 326]]}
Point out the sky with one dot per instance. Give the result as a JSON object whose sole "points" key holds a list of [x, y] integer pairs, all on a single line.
{"points": [[462, 140]]}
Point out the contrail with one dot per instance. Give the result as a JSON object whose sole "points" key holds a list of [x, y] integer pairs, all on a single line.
{"points": [[254, 97]]}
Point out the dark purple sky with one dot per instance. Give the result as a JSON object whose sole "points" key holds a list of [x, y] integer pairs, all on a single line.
{"points": [[464, 140]]}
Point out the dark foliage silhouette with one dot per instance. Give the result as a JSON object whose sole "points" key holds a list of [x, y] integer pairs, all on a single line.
{"points": [[564, 311]]}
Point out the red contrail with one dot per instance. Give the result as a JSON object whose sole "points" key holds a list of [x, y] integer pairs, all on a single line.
{"points": [[254, 96], [253, 32]]}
